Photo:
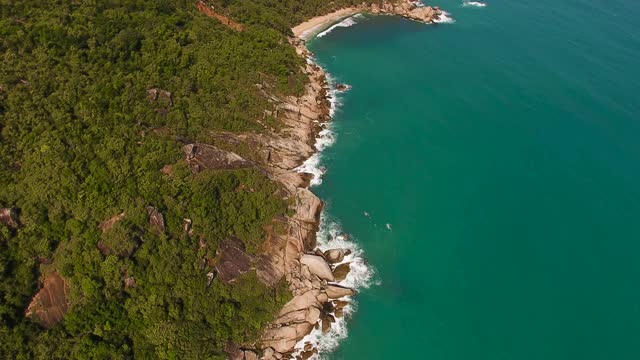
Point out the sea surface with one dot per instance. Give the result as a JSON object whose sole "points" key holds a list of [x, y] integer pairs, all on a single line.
{"points": [[489, 170]]}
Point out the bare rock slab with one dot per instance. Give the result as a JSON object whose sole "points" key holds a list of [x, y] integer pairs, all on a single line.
{"points": [[318, 266]]}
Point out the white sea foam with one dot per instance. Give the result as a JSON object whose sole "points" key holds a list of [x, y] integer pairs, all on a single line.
{"points": [[326, 137], [350, 21], [474, 3], [445, 18], [331, 236]]}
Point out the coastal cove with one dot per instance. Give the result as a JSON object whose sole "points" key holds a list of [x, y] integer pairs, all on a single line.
{"points": [[501, 151]]}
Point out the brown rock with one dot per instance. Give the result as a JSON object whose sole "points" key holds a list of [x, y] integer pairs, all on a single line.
{"points": [[283, 339], [341, 271], [50, 305], [232, 259], [159, 94], [156, 219], [308, 354], [9, 217], [334, 255], [336, 291], [250, 355], [129, 282], [340, 304], [108, 224], [303, 301], [203, 156], [317, 266]]}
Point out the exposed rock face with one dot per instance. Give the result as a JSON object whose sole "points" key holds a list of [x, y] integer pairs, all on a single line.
{"points": [[108, 224], [156, 94], [341, 271], [232, 259], [50, 303], [210, 12], [129, 282], [9, 217], [318, 266], [406, 8], [336, 291], [334, 255], [203, 156], [156, 219]]}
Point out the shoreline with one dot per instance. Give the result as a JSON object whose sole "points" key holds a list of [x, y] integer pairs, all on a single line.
{"points": [[319, 273], [308, 29]]}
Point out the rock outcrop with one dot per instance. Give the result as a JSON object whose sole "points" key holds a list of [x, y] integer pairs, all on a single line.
{"points": [[293, 254], [341, 271], [156, 219], [108, 224], [204, 156], [50, 305], [232, 259], [9, 217], [407, 9], [334, 255], [318, 266], [210, 12]]}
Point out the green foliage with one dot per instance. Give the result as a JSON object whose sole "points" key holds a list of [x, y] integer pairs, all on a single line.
{"points": [[80, 141]]}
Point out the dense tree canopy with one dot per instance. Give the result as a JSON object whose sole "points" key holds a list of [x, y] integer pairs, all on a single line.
{"points": [[82, 140]]}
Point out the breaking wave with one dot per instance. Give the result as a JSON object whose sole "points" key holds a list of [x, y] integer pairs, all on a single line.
{"points": [[331, 236], [474, 3], [445, 18], [350, 21], [326, 137]]}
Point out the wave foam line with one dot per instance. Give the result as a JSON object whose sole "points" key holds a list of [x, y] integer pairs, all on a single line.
{"points": [[331, 236], [474, 3], [326, 137], [348, 22], [445, 18]]}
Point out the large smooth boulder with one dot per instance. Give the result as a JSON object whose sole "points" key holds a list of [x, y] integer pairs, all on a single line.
{"points": [[318, 266], [334, 255], [336, 291], [284, 339], [341, 271], [300, 302]]}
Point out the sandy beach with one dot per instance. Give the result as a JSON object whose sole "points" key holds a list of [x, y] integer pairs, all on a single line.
{"points": [[310, 27]]}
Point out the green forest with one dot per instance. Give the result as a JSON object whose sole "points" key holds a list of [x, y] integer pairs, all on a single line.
{"points": [[81, 141]]}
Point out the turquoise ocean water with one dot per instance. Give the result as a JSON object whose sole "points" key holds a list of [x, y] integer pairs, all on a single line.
{"points": [[504, 152]]}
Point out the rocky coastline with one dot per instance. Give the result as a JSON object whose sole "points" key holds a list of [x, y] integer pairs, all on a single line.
{"points": [[314, 276]]}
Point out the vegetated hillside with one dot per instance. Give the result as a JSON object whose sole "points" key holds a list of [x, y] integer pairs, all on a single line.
{"points": [[103, 217]]}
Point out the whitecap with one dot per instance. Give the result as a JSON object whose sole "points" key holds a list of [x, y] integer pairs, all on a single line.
{"points": [[331, 236], [444, 18], [326, 137], [474, 3], [348, 22]]}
